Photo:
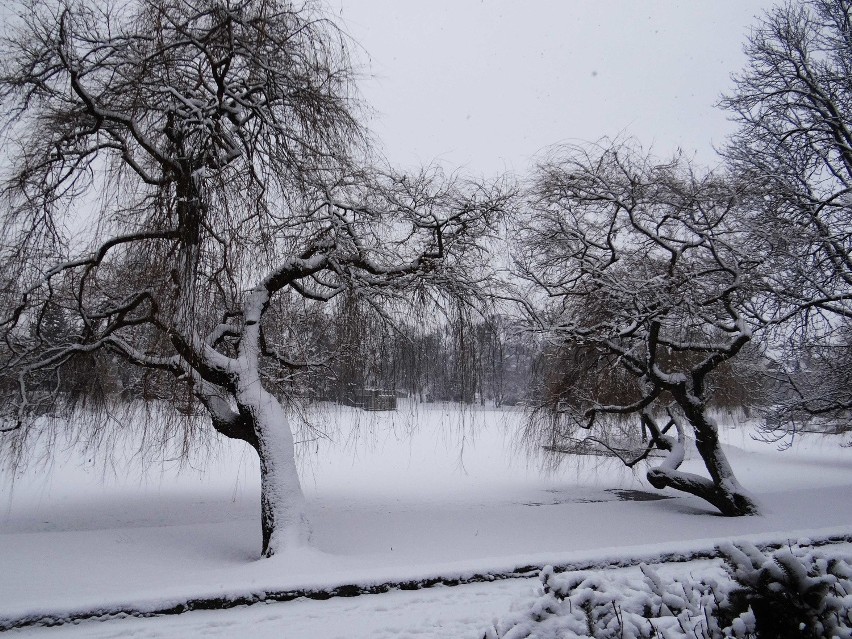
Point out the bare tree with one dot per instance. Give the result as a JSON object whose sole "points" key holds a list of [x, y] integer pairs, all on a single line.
{"points": [[793, 104], [203, 157], [637, 279]]}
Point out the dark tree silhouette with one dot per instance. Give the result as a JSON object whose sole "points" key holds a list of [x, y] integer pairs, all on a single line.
{"points": [[637, 276], [793, 104]]}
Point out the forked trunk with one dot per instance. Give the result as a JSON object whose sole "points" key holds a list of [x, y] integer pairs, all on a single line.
{"points": [[722, 489], [261, 421]]}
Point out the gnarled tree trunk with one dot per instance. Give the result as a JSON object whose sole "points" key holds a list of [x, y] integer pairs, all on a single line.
{"points": [[283, 519], [722, 489], [243, 409]]}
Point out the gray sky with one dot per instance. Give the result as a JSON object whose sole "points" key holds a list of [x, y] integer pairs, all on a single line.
{"points": [[486, 84]]}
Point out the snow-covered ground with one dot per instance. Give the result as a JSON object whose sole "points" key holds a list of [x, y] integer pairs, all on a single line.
{"points": [[422, 492]]}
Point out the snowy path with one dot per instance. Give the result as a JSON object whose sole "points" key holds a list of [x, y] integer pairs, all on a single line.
{"points": [[439, 613]]}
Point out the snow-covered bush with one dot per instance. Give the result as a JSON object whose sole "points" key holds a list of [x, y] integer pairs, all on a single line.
{"points": [[789, 593], [596, 604]]}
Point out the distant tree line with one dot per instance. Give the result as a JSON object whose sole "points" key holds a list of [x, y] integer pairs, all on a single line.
{"points": [[345, 347]]}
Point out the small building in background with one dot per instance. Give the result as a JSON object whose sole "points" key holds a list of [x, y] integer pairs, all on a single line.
{"points": [[372, 399]]}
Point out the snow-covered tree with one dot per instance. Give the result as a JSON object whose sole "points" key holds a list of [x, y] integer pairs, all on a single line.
{"points": [[793, 104], [635, 269], [175, 167]]}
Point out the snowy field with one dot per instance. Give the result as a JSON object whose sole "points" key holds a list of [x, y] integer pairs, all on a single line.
{"points": [[419, 493]]}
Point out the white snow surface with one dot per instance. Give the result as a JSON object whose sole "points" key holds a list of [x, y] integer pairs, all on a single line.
{"points": [[426, 491]]}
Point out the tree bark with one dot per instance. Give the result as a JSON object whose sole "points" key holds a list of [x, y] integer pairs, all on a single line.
{"points": [[284, 522], [729, 495]]}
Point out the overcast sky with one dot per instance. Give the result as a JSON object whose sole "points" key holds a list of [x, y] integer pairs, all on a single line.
{"points": [[486, 84]]}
